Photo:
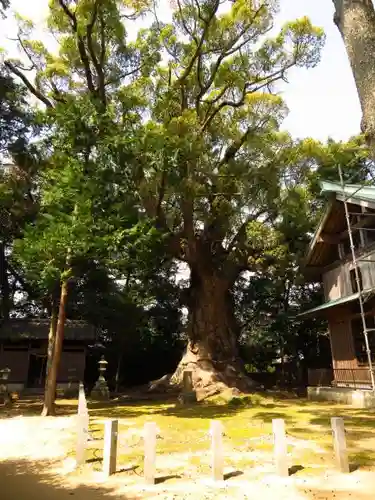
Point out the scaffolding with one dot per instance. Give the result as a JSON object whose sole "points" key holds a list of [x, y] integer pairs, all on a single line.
{"points": [[362, 295]]}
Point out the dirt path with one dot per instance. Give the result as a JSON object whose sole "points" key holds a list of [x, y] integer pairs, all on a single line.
{"points": [[34, 466]]}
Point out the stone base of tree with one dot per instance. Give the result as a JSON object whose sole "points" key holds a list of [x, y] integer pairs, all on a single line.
{"points": [[208, 378]]}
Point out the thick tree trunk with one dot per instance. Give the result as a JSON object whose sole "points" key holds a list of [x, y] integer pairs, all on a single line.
{"points": [[356, 21], [212, 353], [50, 392], [4, 284]]}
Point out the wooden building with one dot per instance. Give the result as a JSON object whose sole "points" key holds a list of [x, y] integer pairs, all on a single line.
{"points": [[330, 259], [23, 349]]}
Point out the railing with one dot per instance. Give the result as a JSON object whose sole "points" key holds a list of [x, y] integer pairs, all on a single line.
{"points": [[354, 378], [318, 377]]}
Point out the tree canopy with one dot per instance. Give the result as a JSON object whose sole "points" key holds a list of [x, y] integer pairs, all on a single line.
{"points": [[167, 148]]}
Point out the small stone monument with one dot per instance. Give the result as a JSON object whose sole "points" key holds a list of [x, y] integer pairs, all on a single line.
{"points": [[100, 390], [188, 395], [72, 390], [4, 393]]}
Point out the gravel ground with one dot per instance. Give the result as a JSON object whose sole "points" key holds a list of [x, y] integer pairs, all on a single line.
{"points": [[34, 465]]}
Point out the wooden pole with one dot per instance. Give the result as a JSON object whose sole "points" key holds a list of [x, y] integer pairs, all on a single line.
{"points": [[217, 450], [110, 447], [150, 432], [339, 444], [280, 447], [50, 393]]}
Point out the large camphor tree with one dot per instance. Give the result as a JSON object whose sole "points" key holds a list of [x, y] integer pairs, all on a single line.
{"points": [[195, 100], [215, 172]]}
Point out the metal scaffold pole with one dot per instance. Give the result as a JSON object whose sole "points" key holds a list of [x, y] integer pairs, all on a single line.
{"points": [[358, 281]]}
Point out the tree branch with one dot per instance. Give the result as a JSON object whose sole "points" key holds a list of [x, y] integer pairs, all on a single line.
{"points": [[267, 80], [28, 55], [102, 40], [232, 104], [81, 46], [233, 149], [20, 280], [185, 26], [195, 56], [28, 84], [98, 67], [229, 50], [69, 13]]}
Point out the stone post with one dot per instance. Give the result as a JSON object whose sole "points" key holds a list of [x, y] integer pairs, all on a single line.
{"points": [[188, 394], [150, 434], [216, 432], [280, 447], [82, 427], [110, 447], [339, 444], [82, 438]]}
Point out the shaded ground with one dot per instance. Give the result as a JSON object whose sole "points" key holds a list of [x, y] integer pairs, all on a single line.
{"points": [[21, 480], [37, 455]]}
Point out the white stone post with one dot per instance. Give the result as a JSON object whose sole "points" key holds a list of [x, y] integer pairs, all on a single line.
{"points": [[280, 447], [110, 447], [82, 427], [217, 451], [339, 444], [150, 433]]}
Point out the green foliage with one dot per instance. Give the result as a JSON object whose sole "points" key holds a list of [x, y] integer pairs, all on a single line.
{"points": [[19, 163], [168, 148]]}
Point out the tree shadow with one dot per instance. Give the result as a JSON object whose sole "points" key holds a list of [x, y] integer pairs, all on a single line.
{"points": [[272, 415], [295, 468], [24, 480], [230, 475], [163, 479], [31, 406], [123, 408]]}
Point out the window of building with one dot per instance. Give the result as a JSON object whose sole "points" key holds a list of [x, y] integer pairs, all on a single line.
{"points": [[353, 280], [369, 235], [359, 338], [345, 244]]}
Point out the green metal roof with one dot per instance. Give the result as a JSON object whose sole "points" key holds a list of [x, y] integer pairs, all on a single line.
{"points": [[354, 191], [337, 302]]}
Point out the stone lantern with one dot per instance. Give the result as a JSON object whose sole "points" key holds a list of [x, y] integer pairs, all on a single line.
{"points": [[100, 390], [4, 375], [102, 367], [4, 393]]}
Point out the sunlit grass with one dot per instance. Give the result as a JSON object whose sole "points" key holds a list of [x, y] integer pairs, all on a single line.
{"points": [[184, 442]]}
